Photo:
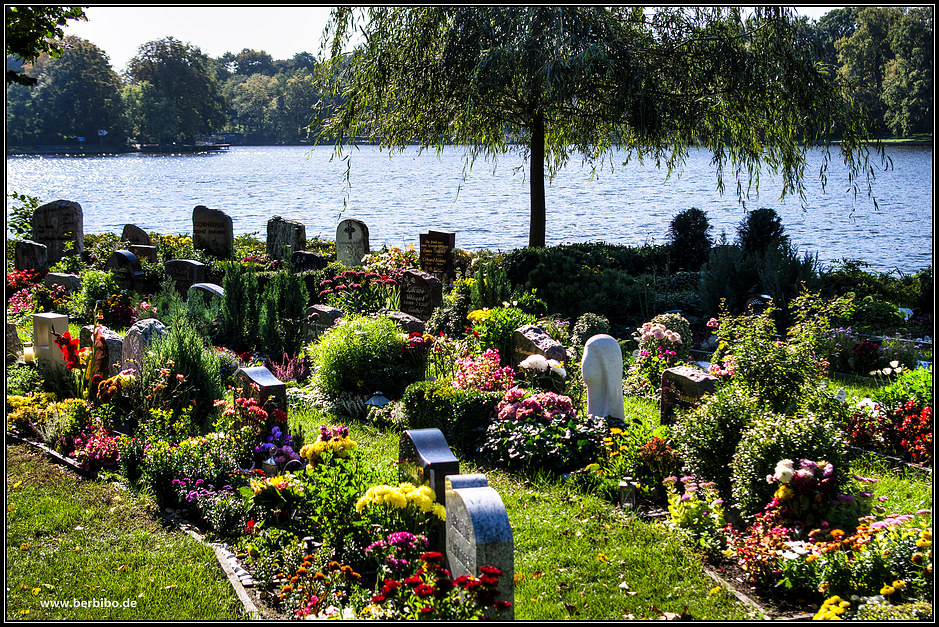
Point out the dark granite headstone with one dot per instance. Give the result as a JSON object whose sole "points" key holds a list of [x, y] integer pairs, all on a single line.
{"points": [[133, 234], [437, 252], [408, 323], [213, 232], [206, 291], [303, 260], [143, 252], [283, 234], [30, 255], [421, 293], [60, 226], [69, 282], [125, 267], [351, 242], [185, 273], [271, 393], [319, 318], [425, 456]]}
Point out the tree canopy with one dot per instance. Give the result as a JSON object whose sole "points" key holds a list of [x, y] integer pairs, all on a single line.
{"points": [[31, 31], [551, 82]]}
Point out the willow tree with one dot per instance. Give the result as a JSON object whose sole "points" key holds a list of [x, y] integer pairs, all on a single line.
{"points": [[552, 82]]}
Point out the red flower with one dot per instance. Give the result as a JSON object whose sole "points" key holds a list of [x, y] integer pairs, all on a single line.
{"points": [[69, 347], [424, 590]]}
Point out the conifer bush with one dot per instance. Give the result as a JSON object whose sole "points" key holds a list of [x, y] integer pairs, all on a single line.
{"points": [[282, 321]]}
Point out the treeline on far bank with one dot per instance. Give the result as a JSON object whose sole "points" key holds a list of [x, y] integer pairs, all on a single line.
{"points": [[171, 92]]}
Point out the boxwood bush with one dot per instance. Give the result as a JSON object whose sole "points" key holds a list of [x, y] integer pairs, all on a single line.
{"points": [[461, 415]]}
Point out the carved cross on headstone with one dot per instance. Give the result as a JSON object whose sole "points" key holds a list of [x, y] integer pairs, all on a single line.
{"points": [[349, 229]]}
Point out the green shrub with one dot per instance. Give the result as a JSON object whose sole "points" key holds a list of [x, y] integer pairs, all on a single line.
{"points": [[97, 285], [462, 415], [282, 321], [491, 286], [182, 351], [450, 317], [707, 436], [772, 438], [874, 316], [761, 230], [588, 325], [911, 384], [690, 239], [727, 279], [363, 355], [238, 315], [22, 380], [495, 330]]}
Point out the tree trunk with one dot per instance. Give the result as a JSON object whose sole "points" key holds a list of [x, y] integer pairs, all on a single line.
{"points": [[536, 229]]}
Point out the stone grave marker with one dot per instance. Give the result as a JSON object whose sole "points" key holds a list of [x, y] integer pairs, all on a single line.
{"points": [[478, 534], [60, 226], [283, 233], [44, 347], [30, 255], [111, 361], [138, 337], [436, 255], [421, 293], [602, 370], [682, 387], [142, 251], [271, 393], [125, 267], [207, 291], [319, 318], [533, 340], [425, 456], [133, 234], [69, 282], [213, 232], [185, 273], [408, 323], [303, 260], [351, 242]]}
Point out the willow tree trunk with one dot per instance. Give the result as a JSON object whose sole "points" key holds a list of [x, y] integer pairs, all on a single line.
{"points": [[536, 228]]}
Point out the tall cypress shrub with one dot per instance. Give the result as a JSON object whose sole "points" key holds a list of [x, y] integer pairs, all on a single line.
{"points": [[283, 314], [238, 316]]}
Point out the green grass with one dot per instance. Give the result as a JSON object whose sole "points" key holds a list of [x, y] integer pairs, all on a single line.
{"points": [[76, 542]]}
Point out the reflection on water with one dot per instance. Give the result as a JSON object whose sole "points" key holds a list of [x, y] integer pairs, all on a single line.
{"points": [[402, 196]]}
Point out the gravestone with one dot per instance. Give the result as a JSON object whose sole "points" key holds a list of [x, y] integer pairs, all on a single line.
{"points": [[69, 282], [408, 323], [421, 293], [682, 387], [271, 392], [136, 341], [14, 348], [436, 255], [533, 340], [185, 273], [213, 232], [142, 252], [133, 234], [425, 456], [478, 533], [45, 326], [602, 370], [125, 267], [303, 260], [319, 318], [206, 291], [60, 226], [110, 363], [283, 233], [351, 242], [30, 255]]}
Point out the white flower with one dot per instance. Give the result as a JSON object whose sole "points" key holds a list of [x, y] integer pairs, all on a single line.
{"points": [[557, 368], [535, 362]]}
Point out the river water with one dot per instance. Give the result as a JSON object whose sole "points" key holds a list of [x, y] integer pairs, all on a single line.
{"points": [[409, 193]]}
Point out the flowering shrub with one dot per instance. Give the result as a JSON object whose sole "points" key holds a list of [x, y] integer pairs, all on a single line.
{"points": [[20, 279], [397, 552], [696, 509], [542, 429], [905, 431], [804, 496], [657, 460], [354, 291], [336, 441], [406, 501], [97, 449], [392, 261], [275, 497], [542, 373], [312, 594], [20, 304], [483, 373], [431, 594], [277, 446]]}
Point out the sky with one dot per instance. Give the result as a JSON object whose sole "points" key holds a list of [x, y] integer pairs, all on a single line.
{"points": [[280, 30]]}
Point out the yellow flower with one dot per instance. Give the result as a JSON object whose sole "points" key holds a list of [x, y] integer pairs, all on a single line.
{"points": [[899, 585], [887, 591]]}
